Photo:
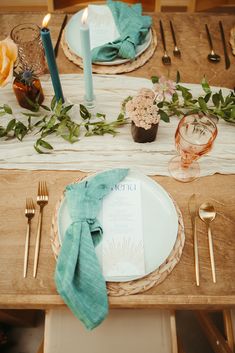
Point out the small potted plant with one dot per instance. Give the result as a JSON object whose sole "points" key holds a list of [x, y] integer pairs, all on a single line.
{"points": [[144, 115], [28, 89]]}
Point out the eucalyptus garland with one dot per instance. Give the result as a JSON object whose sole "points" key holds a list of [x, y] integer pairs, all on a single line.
{"points": [[211, 104], [55, 119]]}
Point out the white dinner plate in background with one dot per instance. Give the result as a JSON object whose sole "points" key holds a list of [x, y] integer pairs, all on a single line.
{"points": [[107, 33]]}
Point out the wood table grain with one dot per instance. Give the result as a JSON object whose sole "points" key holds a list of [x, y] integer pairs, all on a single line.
{"points": [[179, 290], [191, 38]]}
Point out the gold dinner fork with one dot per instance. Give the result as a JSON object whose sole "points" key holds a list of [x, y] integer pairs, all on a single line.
{"points": [[29, 213], [42, 200]]}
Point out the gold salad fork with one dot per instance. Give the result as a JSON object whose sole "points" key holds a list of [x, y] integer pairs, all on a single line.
{"points": [[42, 200], [29, 213]]}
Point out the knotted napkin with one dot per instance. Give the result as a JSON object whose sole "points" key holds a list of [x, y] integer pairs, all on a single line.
{"points": [[133, 28], [78, 275]]}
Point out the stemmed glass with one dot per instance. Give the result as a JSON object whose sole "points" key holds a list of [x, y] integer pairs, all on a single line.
{"points": [[194, 137]]}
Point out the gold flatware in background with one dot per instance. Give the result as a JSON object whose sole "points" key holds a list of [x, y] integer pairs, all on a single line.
{"points": [[29, 213], [42, 200], [193, 213], [207, 214], [59, 36]]}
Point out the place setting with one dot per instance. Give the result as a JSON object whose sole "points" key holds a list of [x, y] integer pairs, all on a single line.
{"points": [[107, 28], [133, 255]]}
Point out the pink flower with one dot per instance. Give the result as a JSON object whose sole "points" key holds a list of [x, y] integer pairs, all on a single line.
{"points": [[142, 109], [164, 89]]}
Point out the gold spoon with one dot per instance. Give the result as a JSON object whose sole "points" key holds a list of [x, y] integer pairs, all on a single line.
{"points": [[207, 214]]}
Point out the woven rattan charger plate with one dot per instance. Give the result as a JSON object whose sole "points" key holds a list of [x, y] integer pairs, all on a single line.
{"points": [[141, 284], [115, 69]]}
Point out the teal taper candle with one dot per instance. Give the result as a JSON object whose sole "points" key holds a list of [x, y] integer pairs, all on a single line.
{"points": [[86, 56], [51, 62]]}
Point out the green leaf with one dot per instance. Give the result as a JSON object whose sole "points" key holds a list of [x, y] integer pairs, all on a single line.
{"points": [[221, 96], [20, 130], [2, 113], [216, 99], [185, 92], [53, 103], [121, 117], [175, 97], [66, 109], [123, 107], [205, 86], [207, 97], [46, 108], [232, 114], [193, 111], [228, 100], [84, 112], [7, 109], [160, 105], [31, 114], [10, 125], [164, 116], [58, 107], [42, 143], [86, 127], [76, 131], [51, 122], [99, 115], [2, 131], [155, 79], [202, 104], [177, 77]]}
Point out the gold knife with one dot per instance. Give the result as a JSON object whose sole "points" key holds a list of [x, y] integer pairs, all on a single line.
{"points": [[193, 213]]}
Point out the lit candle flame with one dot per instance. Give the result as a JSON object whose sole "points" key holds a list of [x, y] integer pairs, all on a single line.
{"points": [[84, 16], [46, 20]]}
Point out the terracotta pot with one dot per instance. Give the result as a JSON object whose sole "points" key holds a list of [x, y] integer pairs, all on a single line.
{"points": [[141, 135], [23, 92]]}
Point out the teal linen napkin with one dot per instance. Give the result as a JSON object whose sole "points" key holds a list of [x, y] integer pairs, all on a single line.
{"points": [[133, 28], [78, 275]]}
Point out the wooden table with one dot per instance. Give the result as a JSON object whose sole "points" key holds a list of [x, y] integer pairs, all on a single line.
{"points": [[179, 289]]}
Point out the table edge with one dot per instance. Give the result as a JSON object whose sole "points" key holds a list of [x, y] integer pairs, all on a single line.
{"points": [[206, 302]]}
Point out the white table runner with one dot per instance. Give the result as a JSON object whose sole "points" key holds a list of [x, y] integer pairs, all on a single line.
{"points": [[101, 152]]}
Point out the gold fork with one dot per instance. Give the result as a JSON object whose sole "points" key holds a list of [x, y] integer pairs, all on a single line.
{"points": [[29, 213], [42, 200]]}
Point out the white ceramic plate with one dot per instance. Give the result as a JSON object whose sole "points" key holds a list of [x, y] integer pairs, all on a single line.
{"points": [[160, 224], [72, 38]]}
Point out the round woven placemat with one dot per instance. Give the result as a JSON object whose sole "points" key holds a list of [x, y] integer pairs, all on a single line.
{"points": [[113, 69], [142, 284]]}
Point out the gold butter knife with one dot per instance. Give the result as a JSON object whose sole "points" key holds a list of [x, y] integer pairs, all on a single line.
{"points": [[193, 213]]}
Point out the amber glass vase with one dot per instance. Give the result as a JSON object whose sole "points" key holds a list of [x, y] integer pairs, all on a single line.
{"points": [[28, 95], [141, 135]]}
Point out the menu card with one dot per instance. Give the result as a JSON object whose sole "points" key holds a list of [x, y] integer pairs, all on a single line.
{"points": [[123, 245], [102, 25]]}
